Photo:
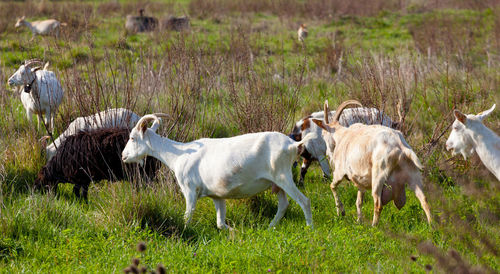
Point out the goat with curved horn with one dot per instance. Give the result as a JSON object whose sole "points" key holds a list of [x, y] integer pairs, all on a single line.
{"points": [[109, 118], [373, 157], [43, 92], [315, 149]]}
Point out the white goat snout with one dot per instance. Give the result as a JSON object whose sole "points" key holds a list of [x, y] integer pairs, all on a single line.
{"points": [[133, 152], [459, 142]]}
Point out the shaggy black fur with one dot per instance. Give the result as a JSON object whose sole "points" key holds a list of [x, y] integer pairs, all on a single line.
{"points": [[92, 156]]}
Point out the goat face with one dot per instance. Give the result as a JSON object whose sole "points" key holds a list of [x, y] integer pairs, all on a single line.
{"points": [[19, 22], [460, 140], [42, 182], [138, 145], [136, 148], [22, 76]]}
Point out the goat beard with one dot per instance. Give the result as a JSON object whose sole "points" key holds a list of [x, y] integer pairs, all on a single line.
{"points": [[141, 162]]}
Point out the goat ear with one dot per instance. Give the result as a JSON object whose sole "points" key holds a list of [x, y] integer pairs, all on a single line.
{"points": [[35, 69], [143, 127], [486, 113], [460, 116], [322, 124], [156, 125]]}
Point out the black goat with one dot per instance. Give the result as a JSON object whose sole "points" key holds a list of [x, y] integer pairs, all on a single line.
{"points": [[92, 156], [140, 23]]}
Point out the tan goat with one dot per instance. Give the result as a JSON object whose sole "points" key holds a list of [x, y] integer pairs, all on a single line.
{"points": [[371, 157]]}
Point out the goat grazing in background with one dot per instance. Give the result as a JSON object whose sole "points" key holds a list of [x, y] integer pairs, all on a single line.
{"points": [[302, 33], [45, 27], [140, 23], [91, 156], [372, 157], [225, 168], [41, 93], [314, 148], [469, 134], [110, 118]]}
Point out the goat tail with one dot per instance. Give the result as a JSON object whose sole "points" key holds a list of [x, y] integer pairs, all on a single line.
{"points": [[63, 24], [299, 144], [411, 155]]}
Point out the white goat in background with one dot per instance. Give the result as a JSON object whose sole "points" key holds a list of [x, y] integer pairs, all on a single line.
{"points": [[469, 134], [114, 117], [372, 157], [41, 92], [225, 168], [45, 27], [314, 148]]}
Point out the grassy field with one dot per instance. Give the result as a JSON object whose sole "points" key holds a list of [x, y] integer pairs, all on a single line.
{"points": [[220, 79]]}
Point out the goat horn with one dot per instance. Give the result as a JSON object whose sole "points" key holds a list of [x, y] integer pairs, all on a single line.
{"points": [[143, 122], [327, 110], [162, 115], [342, 106], [31, 62], [44, 138]]}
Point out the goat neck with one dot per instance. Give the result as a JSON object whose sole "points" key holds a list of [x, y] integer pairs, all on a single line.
{"points": [[487, 146], [164, 149], [29, 25]]}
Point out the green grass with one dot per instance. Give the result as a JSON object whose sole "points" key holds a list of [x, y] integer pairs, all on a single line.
{"points": [[57, 233], [54, 232]]}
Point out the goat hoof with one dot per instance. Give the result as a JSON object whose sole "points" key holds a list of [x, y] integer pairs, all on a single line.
{"points": [[224, 227]]}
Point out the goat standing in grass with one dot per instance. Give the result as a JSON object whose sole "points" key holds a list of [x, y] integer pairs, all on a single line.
{"points": [[469, 134], [314, 148], [41, 93], [372, 157], [110, 118], [302, 33], [225, 168], [45, 27], [91, 156]]}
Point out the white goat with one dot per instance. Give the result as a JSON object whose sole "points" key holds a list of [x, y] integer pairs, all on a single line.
{"points": [[315, 147], [45, 27], [114, 117], [372, 157], [226, 168], [41, 93], [468, 134]]}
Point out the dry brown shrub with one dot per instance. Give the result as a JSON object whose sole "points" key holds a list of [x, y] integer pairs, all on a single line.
{"points": [[310, 9], [257, 100], [455, 37], [109, 8], [332, 56]]}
